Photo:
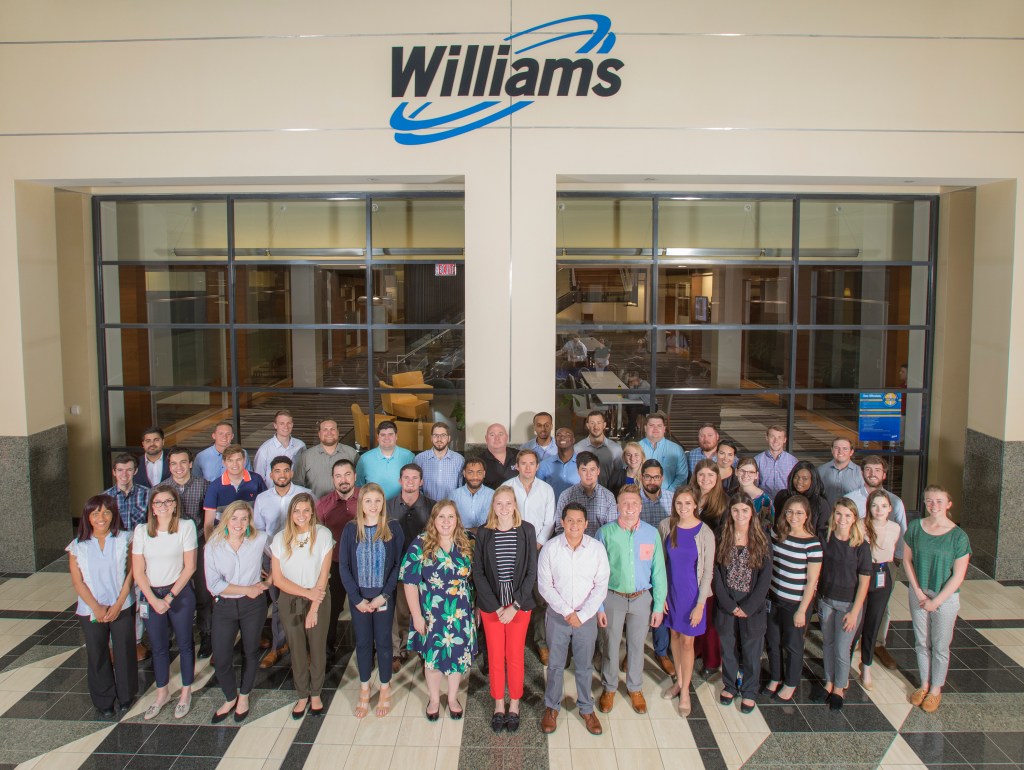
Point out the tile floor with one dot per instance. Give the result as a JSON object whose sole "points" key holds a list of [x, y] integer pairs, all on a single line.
{"points": [[47, 720]]}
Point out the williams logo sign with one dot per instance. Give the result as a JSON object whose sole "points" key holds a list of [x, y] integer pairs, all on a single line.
{"points": [[491, 72]]}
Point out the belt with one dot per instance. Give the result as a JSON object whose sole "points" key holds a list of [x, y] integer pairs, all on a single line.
{"points": [[627, 596]]}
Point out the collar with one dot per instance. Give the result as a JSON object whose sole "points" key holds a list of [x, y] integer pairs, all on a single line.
{"points": [[225, 480]]}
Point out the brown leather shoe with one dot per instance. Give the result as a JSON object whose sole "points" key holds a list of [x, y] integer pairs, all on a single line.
{"points": [[396, 664], [141, 651], [593, 723], [885, 658], [666, 665], [549, 723], [273, 656], [606, 701], [638, 702], [931, 702], [265, 644], [542, 653]]}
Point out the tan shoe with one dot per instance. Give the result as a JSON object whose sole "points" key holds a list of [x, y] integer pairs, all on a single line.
{"points": [[592, 723], [141, 651], [931, 702], [272, 657], [542, 653], [666, 665], [917, 696], [549, 723], [885, 658], [265, 643], [606, 701], [638, 702]]}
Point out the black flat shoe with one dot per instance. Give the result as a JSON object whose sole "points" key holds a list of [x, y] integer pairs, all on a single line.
{"points": [[498, 721], [453, 714], [298, 713], [124, 708], [316, 711], [835, 703], [241, 715], [747, 708], [217, 717], [726, 699], [512, 722], [433, 717], [107, 712]]}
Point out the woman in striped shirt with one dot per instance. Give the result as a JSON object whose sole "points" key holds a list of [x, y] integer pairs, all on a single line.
{"points": [[796, 564], [505, 573]]}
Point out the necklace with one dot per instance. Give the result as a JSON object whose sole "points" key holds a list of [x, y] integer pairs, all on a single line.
{"points": [[301, 541]]}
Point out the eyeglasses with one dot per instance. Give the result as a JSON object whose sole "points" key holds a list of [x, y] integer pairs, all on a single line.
{"points": [[649, 477], [746, 471], [163, 503]]}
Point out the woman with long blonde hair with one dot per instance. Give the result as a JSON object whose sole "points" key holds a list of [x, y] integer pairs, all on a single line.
{"points": [[368, 558], [436, 573]]}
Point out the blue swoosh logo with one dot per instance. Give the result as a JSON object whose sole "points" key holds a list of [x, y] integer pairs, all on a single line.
{"points": [[601, 33]]}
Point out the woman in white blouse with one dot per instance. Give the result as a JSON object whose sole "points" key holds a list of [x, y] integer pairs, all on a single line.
{"points": [[233, 564], [98, 564], [301, 563], [163, 561]]}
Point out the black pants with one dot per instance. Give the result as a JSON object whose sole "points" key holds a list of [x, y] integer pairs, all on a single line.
{"points": [[785, 643], [750, 633], [106, 680], [204, 602], [337, 590], [874, 611], [231, 617], [372, 631]]}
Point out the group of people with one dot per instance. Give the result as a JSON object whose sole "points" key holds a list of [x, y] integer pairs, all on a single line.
{"points": [[573, 546]]}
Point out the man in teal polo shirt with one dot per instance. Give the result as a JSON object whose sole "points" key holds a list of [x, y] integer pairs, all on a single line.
{"points": [[383, 464]]}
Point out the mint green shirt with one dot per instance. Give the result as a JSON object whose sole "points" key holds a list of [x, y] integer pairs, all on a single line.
{"points": [[636, 559]]}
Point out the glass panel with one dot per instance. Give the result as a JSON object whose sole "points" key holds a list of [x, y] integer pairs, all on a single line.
{"points": [[743, 418], [822, 417], [748, 358], [617, 352], [302, 358], [439, 354], [863, 229], [863, 294], [300, 294], [602, 295], [418, 228], [726, 229], [297, 229], [186, 294], [187, 417], [258, 410], [904, 479], [135, 231], [414, 294], [604, 228], [168, 357], [728, 295], [860, 359]]}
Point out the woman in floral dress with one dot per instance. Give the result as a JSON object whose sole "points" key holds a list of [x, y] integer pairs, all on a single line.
{"points": [[437, 572]]}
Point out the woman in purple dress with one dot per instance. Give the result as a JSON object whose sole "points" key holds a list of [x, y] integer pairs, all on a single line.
{"points": [[689, 556]]}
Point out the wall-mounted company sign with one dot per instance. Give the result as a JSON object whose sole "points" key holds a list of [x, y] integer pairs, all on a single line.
{"points": [[491, 72]]}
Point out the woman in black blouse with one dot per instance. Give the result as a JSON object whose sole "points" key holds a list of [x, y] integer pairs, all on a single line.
{"points": [[505, 573], [743, 574], [804, 480]]}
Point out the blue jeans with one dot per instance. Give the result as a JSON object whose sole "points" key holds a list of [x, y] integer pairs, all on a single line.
{"points": [[179, 618]]}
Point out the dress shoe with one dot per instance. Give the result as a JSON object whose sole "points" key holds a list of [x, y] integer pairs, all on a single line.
{"points": [[931, 702], [606, 701], [205, 647], [274, 656], [638, 702], [107, 712], [512, 722], [549, 722], [885, 658], [498, 721], [265, 644], [542, 653], [141, 651], [593, 724], [707, 672], [666, 665]]}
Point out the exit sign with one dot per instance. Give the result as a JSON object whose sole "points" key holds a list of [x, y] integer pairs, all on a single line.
{"points": [[444, 268]]}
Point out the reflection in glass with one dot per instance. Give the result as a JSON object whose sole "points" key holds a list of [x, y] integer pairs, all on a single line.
{"points": [[602, 295], [168, 357], [403, 226], [135, 231], [290, 229], [302, 358], [731, 294], [864, 229], [300, 294], [414, 294], [608, 228], [186, 294], [726, 229], [858, 359], [187, 417], [439, 354], [863, 294]]}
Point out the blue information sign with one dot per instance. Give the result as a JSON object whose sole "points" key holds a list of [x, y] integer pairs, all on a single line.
{"points": [[880, 417]]}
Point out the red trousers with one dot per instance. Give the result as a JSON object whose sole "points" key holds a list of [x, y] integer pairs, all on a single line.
{"points": [[708, 647], [506, 646]]}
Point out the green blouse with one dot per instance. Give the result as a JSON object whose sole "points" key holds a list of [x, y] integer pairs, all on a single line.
{"points": [[935, 555]]}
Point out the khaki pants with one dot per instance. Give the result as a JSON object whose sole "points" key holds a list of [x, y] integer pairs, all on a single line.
{"points": [[308, 646]]}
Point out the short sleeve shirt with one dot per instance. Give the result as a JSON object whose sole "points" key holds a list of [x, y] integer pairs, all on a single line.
{"points": [[935, 555], [165, 553]]}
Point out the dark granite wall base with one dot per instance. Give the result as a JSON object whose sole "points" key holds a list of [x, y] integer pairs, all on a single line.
{"points": [[992, 512], [34, 497]]}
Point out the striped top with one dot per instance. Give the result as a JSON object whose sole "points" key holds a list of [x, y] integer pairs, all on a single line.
{"points": [[789, 566], [505, 550]]}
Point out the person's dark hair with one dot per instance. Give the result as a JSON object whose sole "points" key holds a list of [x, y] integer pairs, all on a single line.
{"points": [[708, 425], [573, 507], [177, 449], [817, 488], [875, 460], [656, 416], [652, 464], [232, 450], [544, 414], [228, 423], [595, 413], [474, 461], [342, 461], [281, 460], [757, 541], [411, 467], [282, 413], [124, 457], [673, 518], [782, 528], [153, 429], [726, 441], [716, 505], [384, 425], [444, 425], [93, 504], [583, 458]]}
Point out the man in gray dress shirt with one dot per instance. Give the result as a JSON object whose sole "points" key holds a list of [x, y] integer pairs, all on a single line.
{"points": [[840, 475]]}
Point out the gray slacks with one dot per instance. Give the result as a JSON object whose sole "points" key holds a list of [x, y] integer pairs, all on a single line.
{"points": [[836, 642], [560, 635], [634, 617], [933, 632]]}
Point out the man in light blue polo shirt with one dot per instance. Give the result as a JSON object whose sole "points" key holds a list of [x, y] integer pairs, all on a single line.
{"points": [[383, 464], [668, 453], [560, 471], [473, 499], [210, 461]]}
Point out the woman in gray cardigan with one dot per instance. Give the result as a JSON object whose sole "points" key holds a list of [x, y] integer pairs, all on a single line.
{"points": [[690, 557]]}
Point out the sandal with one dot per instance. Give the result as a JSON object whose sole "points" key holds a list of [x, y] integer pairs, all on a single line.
{"points": [[384, 704], [363, 706]]}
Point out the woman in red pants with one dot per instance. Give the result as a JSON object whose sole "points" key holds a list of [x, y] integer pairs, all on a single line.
{"points": [[504, 573]]}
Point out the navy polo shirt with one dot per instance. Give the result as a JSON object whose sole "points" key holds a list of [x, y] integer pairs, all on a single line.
{"points": [[222, 492]]}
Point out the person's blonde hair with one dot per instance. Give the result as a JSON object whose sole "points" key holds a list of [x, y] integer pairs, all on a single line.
{"points": [[151, 522], [383, 533], [492, 515], [291, 534], [431, 542], [858, 534], [221, 532], [633, 445]]}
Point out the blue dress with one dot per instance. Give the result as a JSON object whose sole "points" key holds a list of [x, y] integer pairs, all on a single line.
{"points": [[682, 582]]}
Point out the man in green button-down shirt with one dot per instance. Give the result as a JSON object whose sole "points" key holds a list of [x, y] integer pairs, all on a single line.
{"points": [[637, 584]]}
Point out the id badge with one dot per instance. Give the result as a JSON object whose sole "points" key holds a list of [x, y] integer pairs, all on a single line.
{"points": [[880, 580], [144, 610]]}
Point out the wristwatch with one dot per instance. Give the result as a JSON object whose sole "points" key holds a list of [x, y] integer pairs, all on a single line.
{"points": [[170, 596]]}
